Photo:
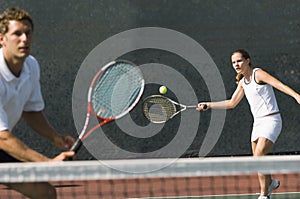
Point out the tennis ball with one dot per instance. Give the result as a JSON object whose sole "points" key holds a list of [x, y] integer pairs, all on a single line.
{"points": [[163, 90]]}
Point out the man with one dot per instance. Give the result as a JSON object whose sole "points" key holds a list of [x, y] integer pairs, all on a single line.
{"points": [[20, 96]]}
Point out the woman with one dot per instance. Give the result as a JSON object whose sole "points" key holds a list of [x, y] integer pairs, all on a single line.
{"points": [[257, 85]]}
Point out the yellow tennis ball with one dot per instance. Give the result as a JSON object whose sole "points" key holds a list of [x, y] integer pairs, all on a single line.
{"points": [[163, 90]]}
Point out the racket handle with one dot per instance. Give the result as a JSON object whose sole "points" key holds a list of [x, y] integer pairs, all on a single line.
{"points": [[204, 106], [76, 145]]}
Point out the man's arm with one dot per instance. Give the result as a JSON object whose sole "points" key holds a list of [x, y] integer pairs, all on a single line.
{"points": [[38, 122], [16, 148]]}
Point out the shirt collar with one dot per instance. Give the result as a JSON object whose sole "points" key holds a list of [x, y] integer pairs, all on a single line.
{"points": [[6, 73]]}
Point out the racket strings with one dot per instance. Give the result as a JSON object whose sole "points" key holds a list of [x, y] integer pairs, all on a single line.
{"points": [[116, 89], [158, 110]]}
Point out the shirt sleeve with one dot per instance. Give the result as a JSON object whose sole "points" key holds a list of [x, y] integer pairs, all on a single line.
{"points": [[3, 116], [36, 101], [3, 120]]}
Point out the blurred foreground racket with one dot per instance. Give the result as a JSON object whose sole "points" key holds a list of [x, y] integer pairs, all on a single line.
{"points": [[113, 92], [159, 109]]}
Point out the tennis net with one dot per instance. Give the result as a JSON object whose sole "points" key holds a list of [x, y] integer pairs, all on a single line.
{"points": [[227, 177]]}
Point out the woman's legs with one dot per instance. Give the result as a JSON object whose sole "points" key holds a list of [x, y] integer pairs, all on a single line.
{"points": [[260, 147]]}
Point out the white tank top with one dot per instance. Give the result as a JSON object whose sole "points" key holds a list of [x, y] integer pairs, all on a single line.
{"points": [[261, 97]]}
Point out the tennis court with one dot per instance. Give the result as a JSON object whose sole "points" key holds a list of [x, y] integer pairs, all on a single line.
{"points": [[239, 196], [158, 178]]}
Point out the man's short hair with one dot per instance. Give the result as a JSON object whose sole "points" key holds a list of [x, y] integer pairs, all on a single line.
{"points": [[11, 14]]}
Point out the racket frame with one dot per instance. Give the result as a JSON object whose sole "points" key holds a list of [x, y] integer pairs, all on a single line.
{"points": [[176, 104], [83, 134]]}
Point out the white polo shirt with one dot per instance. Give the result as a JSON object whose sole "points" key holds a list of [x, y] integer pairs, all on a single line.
{"points": [[18, 94]]}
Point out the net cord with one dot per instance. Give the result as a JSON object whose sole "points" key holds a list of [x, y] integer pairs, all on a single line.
{"points": [[93, 170]]}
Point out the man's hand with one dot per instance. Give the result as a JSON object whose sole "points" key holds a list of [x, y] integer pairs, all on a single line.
{"points": [[67, 155], [64, 142]]}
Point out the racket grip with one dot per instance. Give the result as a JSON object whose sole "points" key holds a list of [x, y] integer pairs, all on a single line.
{"points": [[204, 106], [76, 145]]}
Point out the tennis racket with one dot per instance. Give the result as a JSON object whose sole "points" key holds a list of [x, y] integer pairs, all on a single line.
{"points": [[113, 92], [159, 109]]}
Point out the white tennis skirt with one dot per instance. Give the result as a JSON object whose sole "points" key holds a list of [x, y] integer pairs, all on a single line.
{"points": [[268, 127]]}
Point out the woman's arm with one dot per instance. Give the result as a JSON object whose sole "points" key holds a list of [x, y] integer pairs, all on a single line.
{"points": [[263, 77], [236, 97]]}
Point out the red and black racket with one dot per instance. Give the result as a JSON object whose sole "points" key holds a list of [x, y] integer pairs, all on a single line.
{"points": [[114, 91]]}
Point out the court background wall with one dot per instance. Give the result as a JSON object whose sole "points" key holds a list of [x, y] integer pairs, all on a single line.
{"points": [[66, 31]]}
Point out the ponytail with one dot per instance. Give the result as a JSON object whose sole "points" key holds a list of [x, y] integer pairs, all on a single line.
{"points": [[238, 78]]}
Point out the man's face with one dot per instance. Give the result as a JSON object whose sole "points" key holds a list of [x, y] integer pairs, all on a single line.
{"points": [[18, 40]]}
